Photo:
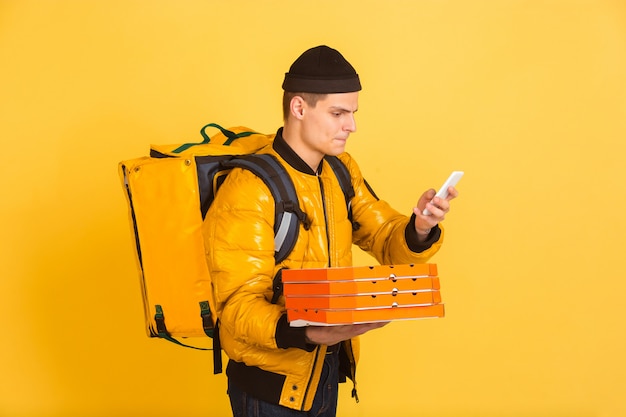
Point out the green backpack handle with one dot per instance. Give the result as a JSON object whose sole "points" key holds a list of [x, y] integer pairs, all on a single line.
{"points": [[232, 136]]}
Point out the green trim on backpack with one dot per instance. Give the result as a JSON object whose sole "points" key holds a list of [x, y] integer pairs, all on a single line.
{"points": [[232, 136]]}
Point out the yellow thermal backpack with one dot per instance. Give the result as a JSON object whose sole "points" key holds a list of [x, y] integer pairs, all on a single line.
{"points": [[168, 195]]}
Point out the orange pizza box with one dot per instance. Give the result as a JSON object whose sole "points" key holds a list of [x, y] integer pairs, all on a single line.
{"points": [[371, 286], [323, 317], [359, 273], [363, 301]]}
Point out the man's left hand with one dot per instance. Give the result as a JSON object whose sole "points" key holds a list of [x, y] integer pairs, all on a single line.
{"points": [[438, 208]]}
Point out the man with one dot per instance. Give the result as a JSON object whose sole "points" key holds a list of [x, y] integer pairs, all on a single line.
{"points": [[274, 369]]}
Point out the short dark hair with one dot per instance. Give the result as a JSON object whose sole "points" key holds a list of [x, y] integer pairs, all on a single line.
{"points": [[309, 98]]}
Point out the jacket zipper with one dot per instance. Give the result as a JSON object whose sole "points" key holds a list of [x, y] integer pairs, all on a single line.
{"points": [[308, 385], [350, 352], [319, 179], [318, 349]]}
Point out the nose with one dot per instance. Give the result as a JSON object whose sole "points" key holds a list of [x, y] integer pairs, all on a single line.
{"points": [[350, 124]]}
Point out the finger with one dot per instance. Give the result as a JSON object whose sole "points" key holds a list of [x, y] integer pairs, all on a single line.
{"points": [[424, 199], [442, 204], [418, 212], [437, 211], [429, 194], [452, 193], [372, 326], [362, 328]]}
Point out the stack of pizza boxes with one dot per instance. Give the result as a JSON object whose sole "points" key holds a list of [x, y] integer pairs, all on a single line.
{"points": [[334, 296]]}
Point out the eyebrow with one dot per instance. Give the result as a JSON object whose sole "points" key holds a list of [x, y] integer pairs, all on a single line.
{"points": [[342, 109]]}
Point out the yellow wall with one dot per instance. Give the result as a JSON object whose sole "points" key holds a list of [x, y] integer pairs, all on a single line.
{"points": [[528, 97]]}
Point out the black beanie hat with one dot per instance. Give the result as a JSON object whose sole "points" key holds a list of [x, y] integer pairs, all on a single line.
{"points": [[321, 70]]}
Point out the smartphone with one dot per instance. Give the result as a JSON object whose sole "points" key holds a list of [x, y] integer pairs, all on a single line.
{"points": [[452, 180]]}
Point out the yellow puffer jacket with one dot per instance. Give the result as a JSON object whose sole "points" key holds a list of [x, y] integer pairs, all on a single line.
{"points": [[269, 359]]}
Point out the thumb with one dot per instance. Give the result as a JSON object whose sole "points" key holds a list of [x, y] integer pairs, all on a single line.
{"points": [[426, 197]]}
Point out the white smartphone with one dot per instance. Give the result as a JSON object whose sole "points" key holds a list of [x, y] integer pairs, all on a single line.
{"points": [[452, 180]]}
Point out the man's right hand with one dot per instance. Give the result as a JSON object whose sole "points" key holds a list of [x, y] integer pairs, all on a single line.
{"points": [[330, 335]]}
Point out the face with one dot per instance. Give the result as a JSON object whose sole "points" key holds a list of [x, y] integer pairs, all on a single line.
{"points": [[325, 128]]}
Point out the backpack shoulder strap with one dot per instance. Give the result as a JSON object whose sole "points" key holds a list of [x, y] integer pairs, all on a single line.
{"points": [[288, 212], [345, 181]]}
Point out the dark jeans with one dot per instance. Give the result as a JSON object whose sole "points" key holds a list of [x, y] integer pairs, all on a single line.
{"points": [[324, 403]]}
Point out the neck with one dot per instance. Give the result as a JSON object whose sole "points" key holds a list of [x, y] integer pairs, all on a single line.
{"points": [[293, 137]]}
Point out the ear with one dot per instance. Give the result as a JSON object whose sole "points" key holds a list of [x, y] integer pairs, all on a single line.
{"points": [[296, 106]]}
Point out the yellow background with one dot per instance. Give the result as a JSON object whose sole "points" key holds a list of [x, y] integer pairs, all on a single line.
{"points": [[527, 97]]}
